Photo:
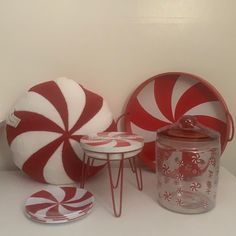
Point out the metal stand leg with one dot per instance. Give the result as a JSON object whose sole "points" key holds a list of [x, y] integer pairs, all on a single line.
{"points": [[85, 170], [119, 183], [137, 171]]}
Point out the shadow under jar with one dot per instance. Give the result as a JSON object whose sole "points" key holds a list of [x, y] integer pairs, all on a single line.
{"points": [[187, 158]]}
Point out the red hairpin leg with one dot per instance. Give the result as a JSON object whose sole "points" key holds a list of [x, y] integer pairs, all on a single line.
{"points": [[137, 171], [85, 170], [131, 165], [119, 183]]}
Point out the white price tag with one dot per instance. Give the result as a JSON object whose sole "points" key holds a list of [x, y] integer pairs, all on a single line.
{"points": [[13, 120]]}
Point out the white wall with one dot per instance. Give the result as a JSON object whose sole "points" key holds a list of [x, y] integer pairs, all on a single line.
{"points": [[112, 46]]}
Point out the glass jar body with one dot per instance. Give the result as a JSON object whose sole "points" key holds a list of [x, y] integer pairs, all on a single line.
{"points": [[187, 174]]}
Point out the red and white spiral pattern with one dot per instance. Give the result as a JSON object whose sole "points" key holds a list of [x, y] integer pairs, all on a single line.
{"points": [[113, 143], [59, 204], [163, 99], [53, 117]]}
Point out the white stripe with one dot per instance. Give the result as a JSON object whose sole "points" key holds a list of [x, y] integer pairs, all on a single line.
{"points": [[113, 134], [34, 102], [149, 136], [57, 192], [110, 144], [26, 144], [78, 194], [97, 139], [182, 84], [212, 109], [75, 98], [146, 99], [100, 122], [80, 204], [37, 200], [54, 171], [66, 212]]}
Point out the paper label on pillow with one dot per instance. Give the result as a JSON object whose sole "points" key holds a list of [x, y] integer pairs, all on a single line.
{"points": [[13, 120]]}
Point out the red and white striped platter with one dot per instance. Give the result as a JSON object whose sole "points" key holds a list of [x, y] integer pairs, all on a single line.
{"points": [[114, 143], [59, 204], [163, 99], [46, 126]]}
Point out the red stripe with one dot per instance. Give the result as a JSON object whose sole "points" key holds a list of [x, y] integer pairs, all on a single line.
{"points": [[122, 143], [112, 127], [36, 207], [69, 193], [163, 90], [76, 137], [142, 119], [31, 122], [34, 166], [193, 97], [53, 94], [72, 164], [44, 194], [139, 140], [92, 106], [86, 196], [81, 208], [54, 211]]}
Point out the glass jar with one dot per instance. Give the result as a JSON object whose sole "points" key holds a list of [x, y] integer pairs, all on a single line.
{"points": [[187, 158]]}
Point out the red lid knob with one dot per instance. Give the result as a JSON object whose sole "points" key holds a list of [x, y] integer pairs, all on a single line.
{"points": [[187, 122]]}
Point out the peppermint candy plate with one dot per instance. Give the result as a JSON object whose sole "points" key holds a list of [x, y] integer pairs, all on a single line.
{"points": [[56, 220], [59, 204], [163, 99]]}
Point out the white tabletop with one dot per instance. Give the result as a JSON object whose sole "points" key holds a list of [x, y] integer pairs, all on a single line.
{"points": [[141, 213]]}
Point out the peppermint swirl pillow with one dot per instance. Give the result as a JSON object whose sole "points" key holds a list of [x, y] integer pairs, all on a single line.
{"points": [[45, 128]]}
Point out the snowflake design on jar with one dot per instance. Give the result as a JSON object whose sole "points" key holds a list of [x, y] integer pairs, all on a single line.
{"points": [[195, 186], [209, 184], [180, 191], [167, 196], [196, 159], [179, 177], [180, 163], [165, 169], [213, 156], [195, 171], [210, 173], [212, 161], [208, 191], [179, 202], [205, 204]]}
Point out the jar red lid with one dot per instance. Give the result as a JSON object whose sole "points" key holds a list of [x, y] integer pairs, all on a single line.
{"points": [[189, 129]]}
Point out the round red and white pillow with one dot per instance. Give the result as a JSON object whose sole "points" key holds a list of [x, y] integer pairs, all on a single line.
{"points": [[45, 128]]}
